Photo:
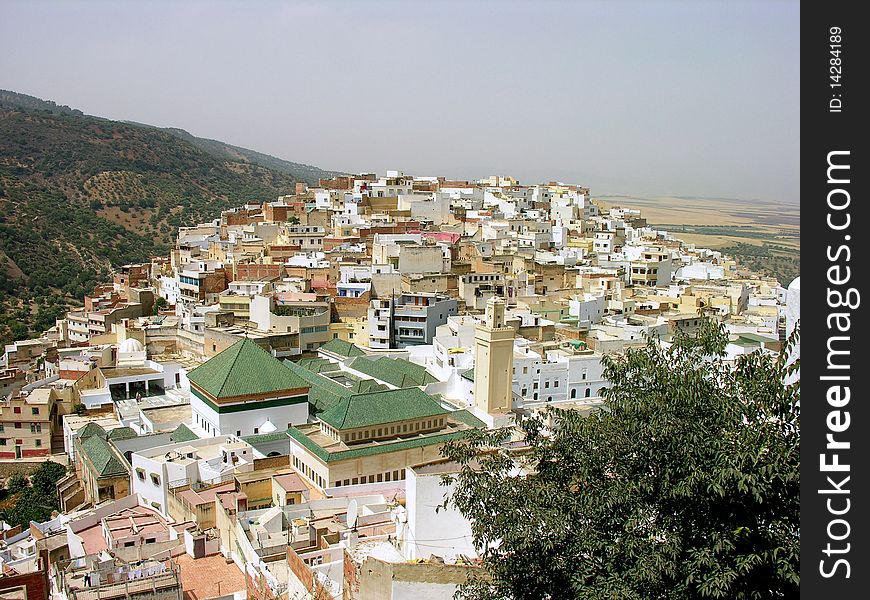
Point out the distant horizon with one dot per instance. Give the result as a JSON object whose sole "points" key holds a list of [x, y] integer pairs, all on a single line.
{"points": [[661, 98]]}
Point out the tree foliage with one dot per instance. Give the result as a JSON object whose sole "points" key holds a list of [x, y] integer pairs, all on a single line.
{"points": [[686, 486], [36, 501]]}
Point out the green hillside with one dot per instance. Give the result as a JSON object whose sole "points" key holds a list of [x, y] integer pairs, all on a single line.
{"points": [[80, 194]]}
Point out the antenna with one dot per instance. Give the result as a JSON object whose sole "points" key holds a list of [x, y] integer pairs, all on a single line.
{"points": [[352, 510]]}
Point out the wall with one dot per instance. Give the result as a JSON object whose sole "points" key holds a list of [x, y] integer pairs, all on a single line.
{"points": [[423, 493]]}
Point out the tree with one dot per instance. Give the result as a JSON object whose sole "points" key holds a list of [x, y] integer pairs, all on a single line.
{"points": [[686, 486], [37, 501], [16, 483], [45, 478], [159, 304]]}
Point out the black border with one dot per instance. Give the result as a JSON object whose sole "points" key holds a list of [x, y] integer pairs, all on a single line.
{"points": [[823, 131]]}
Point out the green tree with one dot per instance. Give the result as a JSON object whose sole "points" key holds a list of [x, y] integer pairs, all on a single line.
{"points": [[686, 486], [16, 483], [159, 304], [45, 478]]}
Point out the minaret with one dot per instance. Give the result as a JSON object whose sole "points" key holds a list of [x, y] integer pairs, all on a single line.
{"points": [[493, 361]]}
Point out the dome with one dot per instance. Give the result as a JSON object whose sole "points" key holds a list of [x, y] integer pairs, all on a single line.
{"points": [[795, 284], [131, 345]]}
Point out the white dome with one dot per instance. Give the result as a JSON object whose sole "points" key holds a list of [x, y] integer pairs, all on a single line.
{"points": [[131, 345], [795, 284]]}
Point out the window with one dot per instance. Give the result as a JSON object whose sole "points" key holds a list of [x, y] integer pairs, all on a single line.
{"points": [[17, 410], [238, 433], [395, 475], [574, 393], [355, 480], [18, 425], [140, 473], [2, 441], [155, 479], [380, 477], [256, 430], [556, 383], [38, 443], [34, 411], [1, 427], [150, 540], [546, 384], [588, 391]]}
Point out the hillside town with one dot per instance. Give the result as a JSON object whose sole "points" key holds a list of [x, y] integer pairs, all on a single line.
{"points": [[261, 413]]}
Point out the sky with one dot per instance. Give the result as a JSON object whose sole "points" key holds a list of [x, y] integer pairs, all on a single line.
{"points": [[649, 98]]}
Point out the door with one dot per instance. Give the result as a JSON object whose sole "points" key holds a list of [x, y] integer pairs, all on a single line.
{"points": [[17, 451]]}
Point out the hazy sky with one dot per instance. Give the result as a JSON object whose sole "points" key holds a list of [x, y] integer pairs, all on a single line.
{"points": [[684, 98]]}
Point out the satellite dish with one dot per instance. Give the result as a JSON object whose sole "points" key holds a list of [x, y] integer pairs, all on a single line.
{"points": [[352, 510]]}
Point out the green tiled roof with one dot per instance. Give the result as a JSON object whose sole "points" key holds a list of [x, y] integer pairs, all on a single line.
{"points": [[395, 371], [365, 386], [121, 433], [342, 348], [266, 437], [323, 393], [464, 416], [365, 410], [244, 369], [318, 365], [469, 374], [183, 433], [91, 429], [369, 450], [102, 457]]}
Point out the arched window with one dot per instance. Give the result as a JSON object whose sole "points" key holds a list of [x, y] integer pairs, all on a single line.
{"points": [[573, 393], [588, 392]]}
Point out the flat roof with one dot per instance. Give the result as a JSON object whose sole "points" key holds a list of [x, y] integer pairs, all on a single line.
{"points": [[210, 576]]}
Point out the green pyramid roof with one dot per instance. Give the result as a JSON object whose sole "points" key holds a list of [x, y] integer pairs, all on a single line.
{"points": [[244, 369], [121, 433], [342, 348], [183, 433], [102, 457], [395, 371], [91, 429], [365, 410]]}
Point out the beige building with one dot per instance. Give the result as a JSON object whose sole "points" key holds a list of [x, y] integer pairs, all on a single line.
{"points": [[493, 361]]}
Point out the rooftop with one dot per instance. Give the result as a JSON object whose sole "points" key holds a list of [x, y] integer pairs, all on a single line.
{"points": [[365, 410], [395, 371], [342, 348], [209, 577], [244, 369]]}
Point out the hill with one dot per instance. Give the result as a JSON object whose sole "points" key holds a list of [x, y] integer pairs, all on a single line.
{"points": [[224, 151], [80, 194]]}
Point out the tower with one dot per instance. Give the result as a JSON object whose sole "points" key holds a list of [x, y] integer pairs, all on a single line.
{"points": [[493, 361]]}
